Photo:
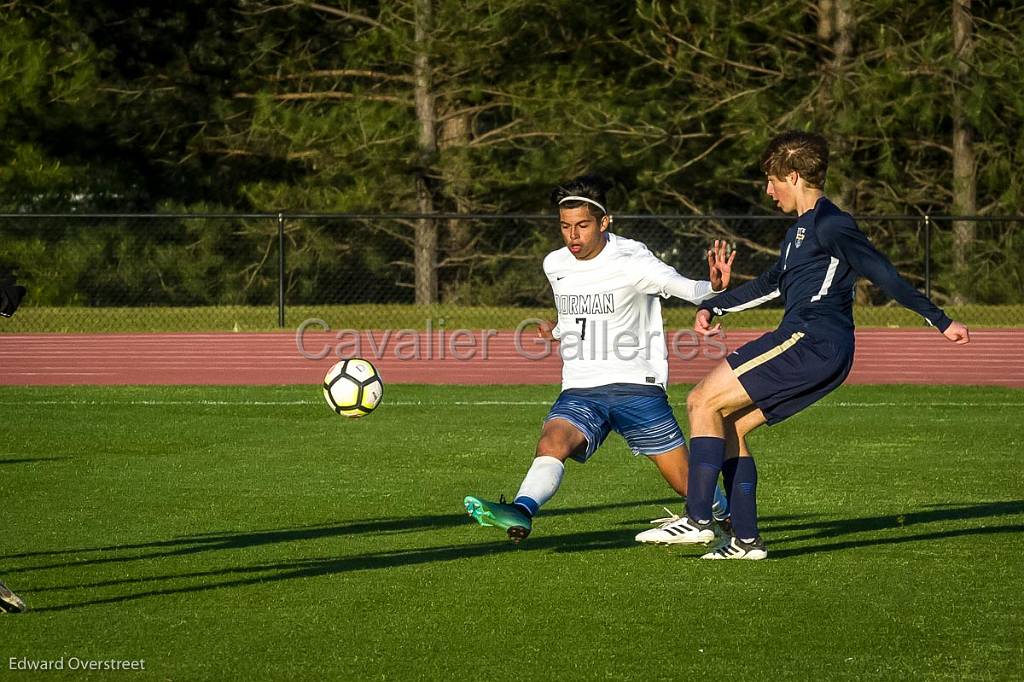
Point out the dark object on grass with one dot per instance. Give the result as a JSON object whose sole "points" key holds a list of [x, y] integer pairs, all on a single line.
{"points": [[11, 294]]}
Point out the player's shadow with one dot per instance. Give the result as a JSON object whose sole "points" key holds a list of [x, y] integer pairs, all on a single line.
{"points": [[906, 527], [178, 583], [228, 541], [264, 574], [30, 460]]}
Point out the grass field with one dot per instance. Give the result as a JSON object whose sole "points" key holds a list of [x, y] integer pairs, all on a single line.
{"points": [[242, 533]]}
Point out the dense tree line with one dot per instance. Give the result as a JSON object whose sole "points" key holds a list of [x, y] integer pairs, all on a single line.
{"points": [[425, 106]]}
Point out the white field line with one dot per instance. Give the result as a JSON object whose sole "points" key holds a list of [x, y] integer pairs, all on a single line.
{"points": [[460, 403]]}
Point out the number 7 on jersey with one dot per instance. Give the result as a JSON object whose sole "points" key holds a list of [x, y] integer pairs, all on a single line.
{"points": [[583, 327]]}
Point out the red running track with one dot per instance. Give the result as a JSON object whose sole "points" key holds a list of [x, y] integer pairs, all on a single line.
{"points": [[884, 356]]}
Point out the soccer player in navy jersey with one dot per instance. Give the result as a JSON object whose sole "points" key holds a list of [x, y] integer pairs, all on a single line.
{"points": [[808, 356]]}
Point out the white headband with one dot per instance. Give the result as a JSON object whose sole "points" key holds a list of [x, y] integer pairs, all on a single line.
{"points": [[589, 201]]}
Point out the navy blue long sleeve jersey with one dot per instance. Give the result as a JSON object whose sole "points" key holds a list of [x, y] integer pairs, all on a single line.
{"points": [[823, 253]]}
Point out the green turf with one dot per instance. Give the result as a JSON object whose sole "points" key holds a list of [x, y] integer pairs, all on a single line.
{"points": [[677, 315], [248, 533]]}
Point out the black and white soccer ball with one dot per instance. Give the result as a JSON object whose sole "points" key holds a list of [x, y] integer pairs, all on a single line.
{"points": [[353, 387]]}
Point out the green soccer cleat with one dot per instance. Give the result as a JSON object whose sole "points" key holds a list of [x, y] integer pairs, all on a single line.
{"points": [[508, 516]]}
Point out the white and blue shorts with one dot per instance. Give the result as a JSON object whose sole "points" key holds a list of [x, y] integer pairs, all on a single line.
{"points": [[640, 413]]}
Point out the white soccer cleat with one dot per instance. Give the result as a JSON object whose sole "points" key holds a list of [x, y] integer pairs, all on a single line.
{"points": [[737, 549], [677, 530]]}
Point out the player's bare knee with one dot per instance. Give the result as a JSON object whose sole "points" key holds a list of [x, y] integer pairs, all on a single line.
{"points": [[555, 444], [549, 446], [697, 400]]}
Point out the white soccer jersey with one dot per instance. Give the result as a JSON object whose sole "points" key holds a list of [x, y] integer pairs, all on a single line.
{"points": [[609, 313]]}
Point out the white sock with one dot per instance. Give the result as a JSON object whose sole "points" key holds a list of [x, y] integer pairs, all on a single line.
{"points": [[541, 483]]}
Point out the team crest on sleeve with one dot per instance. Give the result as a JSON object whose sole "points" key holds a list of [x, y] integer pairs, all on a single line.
{"points": [[801, 232]]}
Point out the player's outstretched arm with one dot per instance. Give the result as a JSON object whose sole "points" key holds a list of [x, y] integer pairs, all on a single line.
{"points": [[747, 295], [845, 240], [720, 266], [958, 333], [654, 276]]}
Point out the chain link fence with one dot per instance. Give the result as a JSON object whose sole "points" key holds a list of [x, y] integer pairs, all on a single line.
{"points": [[251, 272]]}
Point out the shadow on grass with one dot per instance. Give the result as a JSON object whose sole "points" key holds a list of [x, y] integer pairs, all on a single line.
{"points": [[212, 542], [265, 574], [273, 572], [893, 540], [31, 460], [833, 528]]}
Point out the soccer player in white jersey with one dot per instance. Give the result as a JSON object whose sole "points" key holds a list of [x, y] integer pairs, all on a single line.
{"points": [[608, 292]]}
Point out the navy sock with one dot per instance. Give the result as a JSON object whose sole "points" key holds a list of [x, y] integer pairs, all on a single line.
{"points": [[728, 476], [528, 505], [743, 496], [706, 456]]}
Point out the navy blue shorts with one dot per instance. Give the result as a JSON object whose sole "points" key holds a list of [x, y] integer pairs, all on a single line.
{"points": [[784, 371], [640, 413]]}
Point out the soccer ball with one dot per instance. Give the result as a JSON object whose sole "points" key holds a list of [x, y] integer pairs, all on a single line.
{"points": [[353, 388]]}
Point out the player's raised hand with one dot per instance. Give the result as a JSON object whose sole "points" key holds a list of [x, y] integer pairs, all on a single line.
{"points": [[957, 333], [720, 265], [702, 324]]}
